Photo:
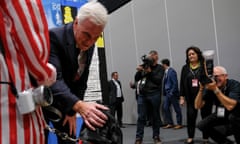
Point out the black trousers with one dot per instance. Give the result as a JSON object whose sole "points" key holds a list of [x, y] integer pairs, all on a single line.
{"points": [[219, 128], [192, 114], [117, 107]]}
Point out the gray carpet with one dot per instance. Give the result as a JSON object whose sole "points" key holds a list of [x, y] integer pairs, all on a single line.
{"points": [[168, 136]]}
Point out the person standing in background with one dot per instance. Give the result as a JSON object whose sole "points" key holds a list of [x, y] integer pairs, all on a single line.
{"points": [[116, 97], [24, 51], [171, 96], [150, 75], [135, 86], [189, 86]]}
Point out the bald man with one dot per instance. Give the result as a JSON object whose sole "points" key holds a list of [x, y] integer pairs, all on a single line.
{"points": [[224, 93]]}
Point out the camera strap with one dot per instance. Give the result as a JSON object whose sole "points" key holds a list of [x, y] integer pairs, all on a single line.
{"points": [[53, 113], [65, 136], [13, 87]]}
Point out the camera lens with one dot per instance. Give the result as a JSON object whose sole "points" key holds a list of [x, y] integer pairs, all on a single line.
{"points": [[47, 93], [42, 96]]}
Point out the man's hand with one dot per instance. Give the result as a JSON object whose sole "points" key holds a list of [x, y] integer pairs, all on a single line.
{"points": [[132, 85], [148, 69], [181, 101], [50, 80], [90, 111], [211, 86], [71, 120], [140, 68]]}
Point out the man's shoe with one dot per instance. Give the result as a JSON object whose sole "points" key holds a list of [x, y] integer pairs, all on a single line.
{"points": [[168, 126], [157, 140], [189, 141], [177, 127], [138, 141]]}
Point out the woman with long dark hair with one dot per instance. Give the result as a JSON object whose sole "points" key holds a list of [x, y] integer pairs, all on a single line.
{"points": [[189, 86]]}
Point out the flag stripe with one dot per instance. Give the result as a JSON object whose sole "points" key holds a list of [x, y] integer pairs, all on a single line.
{"points": [[24, 33]]}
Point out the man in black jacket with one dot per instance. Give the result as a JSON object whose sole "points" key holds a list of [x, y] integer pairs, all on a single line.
{"points": [[72, 48], [224, 93], [116, 97], [150, 74]]}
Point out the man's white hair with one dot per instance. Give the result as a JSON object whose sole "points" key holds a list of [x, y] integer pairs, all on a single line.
{"points": [[222, 69], [95, 11]]}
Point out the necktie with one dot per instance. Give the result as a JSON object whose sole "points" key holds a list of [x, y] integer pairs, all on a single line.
{"points": [[81, 64]]}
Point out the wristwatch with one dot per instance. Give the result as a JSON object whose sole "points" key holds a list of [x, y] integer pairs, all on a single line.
{"points": [[216, 91]]}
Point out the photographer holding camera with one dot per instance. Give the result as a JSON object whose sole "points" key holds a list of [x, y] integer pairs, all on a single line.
{"points": [[150, 75], [224, 93]]}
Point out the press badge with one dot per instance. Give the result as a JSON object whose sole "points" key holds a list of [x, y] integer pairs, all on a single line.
{"points": [[194, 82], [214, 108], [220, 111]]}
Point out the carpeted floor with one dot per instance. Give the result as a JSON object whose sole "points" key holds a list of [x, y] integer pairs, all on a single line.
{"points": [[168, 136]]}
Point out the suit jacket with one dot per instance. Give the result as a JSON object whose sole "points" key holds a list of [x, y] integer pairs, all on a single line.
{"points": [[112, 88], [63, 55], [171, 83]]}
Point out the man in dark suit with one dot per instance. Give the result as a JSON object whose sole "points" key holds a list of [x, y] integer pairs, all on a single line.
{"points": [[72, 48], [116, 97], [171, 96]]}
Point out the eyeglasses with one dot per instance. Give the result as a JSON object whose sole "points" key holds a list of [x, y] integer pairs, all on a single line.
{"points": [[217, 76]]}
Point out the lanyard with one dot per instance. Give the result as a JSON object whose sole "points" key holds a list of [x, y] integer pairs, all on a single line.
{"points": [[194, 72]]}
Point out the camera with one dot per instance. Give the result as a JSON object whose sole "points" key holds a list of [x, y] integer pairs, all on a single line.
{"points": [[207, 67], [147, 61], [30, 98], [208, 55]]}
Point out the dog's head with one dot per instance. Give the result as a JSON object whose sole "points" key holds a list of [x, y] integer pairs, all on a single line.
{"points": [[110, 133]]}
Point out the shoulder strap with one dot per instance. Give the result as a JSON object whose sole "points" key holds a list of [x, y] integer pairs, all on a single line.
{"points": [[1, 48]]}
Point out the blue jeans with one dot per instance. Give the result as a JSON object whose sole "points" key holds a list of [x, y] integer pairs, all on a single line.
{"points": [[154, 100], [168, 101]]}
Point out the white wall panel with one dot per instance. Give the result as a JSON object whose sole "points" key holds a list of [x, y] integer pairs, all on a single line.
{"points": [[170, 26]]}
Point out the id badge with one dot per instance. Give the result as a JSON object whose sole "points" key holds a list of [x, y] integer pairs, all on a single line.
{"points": [[220, 111], [194, 82], [214, 108]]}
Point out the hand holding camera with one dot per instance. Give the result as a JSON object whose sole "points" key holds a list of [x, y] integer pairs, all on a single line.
{"points": [[211, 86], [147, 62], [145, 67]]}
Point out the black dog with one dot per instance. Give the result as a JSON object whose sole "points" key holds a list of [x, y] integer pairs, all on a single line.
{"points": [[111, 133]]}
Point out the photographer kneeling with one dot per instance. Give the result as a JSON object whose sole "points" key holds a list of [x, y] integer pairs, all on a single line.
{"points": [[224, 93], [150, 75]]}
